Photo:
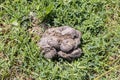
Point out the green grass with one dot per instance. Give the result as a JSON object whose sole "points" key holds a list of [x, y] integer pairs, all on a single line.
{"points": [[98, 20]]}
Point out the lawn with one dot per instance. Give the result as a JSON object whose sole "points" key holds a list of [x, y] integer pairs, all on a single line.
{"points": [[98, 20]]}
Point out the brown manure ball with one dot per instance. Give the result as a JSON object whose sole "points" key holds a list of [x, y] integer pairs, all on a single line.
{"points": [[61, 42]]}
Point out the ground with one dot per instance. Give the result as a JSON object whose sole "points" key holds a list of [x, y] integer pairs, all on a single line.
{"points": [[98, 21]]}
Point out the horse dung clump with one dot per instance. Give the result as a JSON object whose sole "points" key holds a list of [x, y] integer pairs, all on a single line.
{"points": [[61, 42]]}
